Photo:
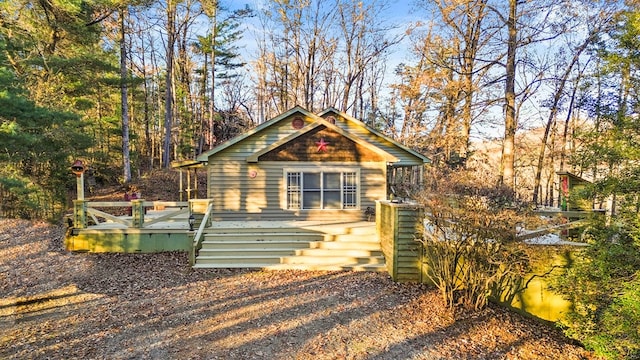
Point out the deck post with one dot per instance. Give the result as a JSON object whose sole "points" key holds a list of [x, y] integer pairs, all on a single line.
{"points": [[80, 214], [137, 213], [192, 250], [398, 225]]}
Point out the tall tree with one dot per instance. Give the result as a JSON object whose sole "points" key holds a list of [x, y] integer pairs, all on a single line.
{"points": [[598, 19], [168, 114], [457, 53], [124, 105], [510, 122], [467, 32], [222, 57], [526, 25], [321, 53], [365, 44]]}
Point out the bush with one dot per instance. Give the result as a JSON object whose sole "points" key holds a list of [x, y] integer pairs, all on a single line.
{"points": [[471, 250], [604, 287]]}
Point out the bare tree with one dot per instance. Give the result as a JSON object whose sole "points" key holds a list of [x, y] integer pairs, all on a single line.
{"points": [[551, 120], [365, 43], [169, 50], [322, 53], [124, 105], [466, 20]]}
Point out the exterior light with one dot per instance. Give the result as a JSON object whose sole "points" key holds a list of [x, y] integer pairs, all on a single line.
{"points": [[77, 167], [192, 220]]}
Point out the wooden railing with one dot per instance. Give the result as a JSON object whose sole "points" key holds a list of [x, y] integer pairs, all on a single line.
{"points": [[198, 237], [83, 210]]}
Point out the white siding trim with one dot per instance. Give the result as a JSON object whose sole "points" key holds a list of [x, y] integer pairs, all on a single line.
{"points": [[322, 169]]}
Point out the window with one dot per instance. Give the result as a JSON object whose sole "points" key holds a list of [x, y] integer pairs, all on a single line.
{"points": [[322, 189]]}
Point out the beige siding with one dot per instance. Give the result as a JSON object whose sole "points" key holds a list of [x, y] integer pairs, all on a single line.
{"points": [[397, 226], [404, 157], [257, 191]]}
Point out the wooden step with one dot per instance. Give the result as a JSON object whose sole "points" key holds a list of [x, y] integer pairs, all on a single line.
{"points": [[339, 252], [278, 246], [247, 244], [221, 261], [242, 252], [328, 267], [364, 245], [351, 237], [260, 236], [331, 260], [305, 267], [283, 251]]}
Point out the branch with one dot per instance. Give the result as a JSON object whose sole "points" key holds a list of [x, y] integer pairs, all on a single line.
{"points": [[100, 18]]}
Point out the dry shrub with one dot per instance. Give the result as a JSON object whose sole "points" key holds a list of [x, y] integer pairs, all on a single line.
{"points": [[471, 249]]}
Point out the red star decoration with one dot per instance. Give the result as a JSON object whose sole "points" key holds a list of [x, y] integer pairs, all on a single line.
{"points": [[322, 145]]}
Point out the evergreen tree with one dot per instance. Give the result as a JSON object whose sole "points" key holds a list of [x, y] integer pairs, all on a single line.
{"points": [[36, 146], [604, 285]]}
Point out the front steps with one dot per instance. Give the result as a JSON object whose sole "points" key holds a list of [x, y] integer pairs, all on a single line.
{"points": [[292, 245]]}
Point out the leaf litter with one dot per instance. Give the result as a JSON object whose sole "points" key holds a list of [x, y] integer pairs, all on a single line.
{"points": [[56, 304]]}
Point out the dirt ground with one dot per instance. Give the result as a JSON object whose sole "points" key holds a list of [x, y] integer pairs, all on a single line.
{"points": [[60, 305]]}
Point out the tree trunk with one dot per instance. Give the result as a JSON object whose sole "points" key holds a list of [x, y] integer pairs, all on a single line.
{"points": [[168, 116], [126, 161], [507, 175], [565, 131], [212, 109]]}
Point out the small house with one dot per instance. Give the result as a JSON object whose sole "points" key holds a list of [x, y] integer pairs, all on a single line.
{"points": [[305, 166], [570, 183]]}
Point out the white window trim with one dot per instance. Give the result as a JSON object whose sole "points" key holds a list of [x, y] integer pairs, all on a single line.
{"points": [[331, 169]]}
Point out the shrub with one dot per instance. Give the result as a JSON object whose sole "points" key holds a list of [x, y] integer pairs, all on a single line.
{"points": [[604, 287], [471, 250]]}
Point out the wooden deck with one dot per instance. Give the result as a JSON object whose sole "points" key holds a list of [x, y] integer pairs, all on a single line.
{"points": [[266, 244]]}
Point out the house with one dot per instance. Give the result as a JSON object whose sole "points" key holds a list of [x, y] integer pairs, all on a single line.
{"points": [[569, 183], [305, 166]]}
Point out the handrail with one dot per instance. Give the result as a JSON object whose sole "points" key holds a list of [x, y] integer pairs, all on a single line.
{"points": [[179, 204], [197, 238], [137, 207], [166, 217]]}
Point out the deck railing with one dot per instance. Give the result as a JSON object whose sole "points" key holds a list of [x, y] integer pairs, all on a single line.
{"points": [[85, 210], [198, 237]]}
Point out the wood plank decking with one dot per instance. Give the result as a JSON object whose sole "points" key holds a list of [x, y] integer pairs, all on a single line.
{"points": [[305, 245]]}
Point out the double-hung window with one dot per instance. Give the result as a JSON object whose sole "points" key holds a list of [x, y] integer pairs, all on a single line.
{"points": [[309, 189]]}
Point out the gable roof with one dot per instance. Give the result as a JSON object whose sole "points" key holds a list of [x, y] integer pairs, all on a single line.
{"points": [[322, 122], [205, 155], [318, 121], [375, 132]]}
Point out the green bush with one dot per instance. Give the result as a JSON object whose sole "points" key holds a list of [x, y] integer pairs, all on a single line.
{"points": [[604, 287]]}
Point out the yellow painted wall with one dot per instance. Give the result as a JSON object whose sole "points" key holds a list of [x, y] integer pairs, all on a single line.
{"points": [[537, 299], [397, 225], [123, 242]]}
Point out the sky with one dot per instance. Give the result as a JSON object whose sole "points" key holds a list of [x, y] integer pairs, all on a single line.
{"points": [[401, 13]]}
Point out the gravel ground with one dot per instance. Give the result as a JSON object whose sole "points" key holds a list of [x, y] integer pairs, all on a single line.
{"points": [[60, 305]]}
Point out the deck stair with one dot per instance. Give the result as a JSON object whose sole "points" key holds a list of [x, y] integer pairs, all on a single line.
{"points": [[292, 245]]}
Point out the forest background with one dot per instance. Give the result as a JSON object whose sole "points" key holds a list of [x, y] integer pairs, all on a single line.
{"points": [[507, 91], [129, 86]]}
